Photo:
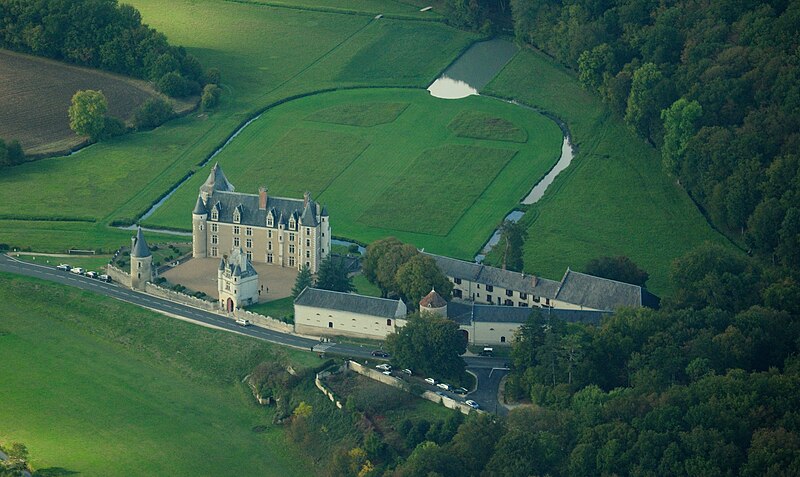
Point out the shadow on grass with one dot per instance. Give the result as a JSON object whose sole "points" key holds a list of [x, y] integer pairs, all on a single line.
{"points": [[54, 472]]}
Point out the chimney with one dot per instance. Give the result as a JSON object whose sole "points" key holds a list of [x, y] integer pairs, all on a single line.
{"points": [[262, 198], [306, 197], [535, 280]]}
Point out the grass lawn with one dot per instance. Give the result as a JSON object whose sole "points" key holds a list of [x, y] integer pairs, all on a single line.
{"points": [[364, 287], [280, 308], [99, 387], [359, 114], [365, 7], [479, 125], [614, 199], [427, 186], [94, 262]]}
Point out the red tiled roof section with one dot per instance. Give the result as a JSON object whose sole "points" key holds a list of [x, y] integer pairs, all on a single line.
{"points": [[433, 300]]}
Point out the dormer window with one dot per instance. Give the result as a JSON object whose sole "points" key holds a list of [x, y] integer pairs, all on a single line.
{"points": [[214, 214], [237, 215], [270, 221], [292, 224]]}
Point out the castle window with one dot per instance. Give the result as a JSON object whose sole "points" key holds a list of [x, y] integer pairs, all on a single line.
{"points": [[308, 230], [139, 265], [308, 264], [270, 222], [269, 245], [489, 288], [269, 258], [291, 261], [236, 229], [509, 303], [235, 241], [213, 251], [330, 324], [308, 243], [308, 253], [214, 228], [248, 243], [228, 286], [237, 216], [249, 255], [509, 293], [388, 322], [502, 339], [215, 214], [523, 296], [291, 237], [291, 248], [457, 281], [292, 224], [201, 227], [214, 239], [248, 231], [269, 233]]}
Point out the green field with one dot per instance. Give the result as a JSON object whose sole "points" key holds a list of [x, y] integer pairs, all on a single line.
{"points": [[427, 186], [614, 198], [106, 388]]}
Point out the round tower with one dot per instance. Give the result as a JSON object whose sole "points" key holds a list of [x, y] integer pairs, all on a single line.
{"points": [[141, 262], [200, 229], [433, 303]]}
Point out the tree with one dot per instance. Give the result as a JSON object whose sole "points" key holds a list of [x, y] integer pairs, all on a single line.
{"points": [[10, 153], [418, 276], [210, 97], [430, 344], [644, 102], [620, 268], [303, 280], [680, 124], [333, 276], [383, 259], [152, 113], [87, 113], [175, 85], [512, 239]]}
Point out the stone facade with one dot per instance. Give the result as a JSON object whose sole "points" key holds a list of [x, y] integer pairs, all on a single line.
{"points": [[328, 313], [277, 230], [237, 281], [141, 262]]}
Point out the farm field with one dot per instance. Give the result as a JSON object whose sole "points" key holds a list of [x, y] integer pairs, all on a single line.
{"points": [[307, 51], [36, 92], [363, 7], [427, 186], [106, 388], [614, 198]]}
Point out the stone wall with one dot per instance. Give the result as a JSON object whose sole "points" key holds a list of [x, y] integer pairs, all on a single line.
{"points": [[264, 321], [118, 275], [155, 290], [325, 390]]}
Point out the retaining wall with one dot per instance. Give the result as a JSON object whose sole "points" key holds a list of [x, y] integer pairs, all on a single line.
{"points": [[118, 275], [264, 321], [155, 290], [325, 390]]}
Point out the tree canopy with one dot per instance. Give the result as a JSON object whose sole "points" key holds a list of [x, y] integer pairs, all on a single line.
{"points": [[333, 276], [620, 268], [87, 113], [429, 344]]}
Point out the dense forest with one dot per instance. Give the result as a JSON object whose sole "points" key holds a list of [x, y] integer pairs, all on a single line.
{"points": [[101, 34], [714, 84]]}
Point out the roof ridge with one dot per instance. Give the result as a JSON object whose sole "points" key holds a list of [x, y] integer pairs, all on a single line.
{"points": [[606, 279], [349, 294]]}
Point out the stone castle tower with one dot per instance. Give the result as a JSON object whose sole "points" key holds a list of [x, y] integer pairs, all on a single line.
{"points": [[433, 303], [199, 229], [237, 281], [141, 262]]}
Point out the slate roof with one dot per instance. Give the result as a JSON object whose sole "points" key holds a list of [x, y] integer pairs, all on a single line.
{"points": [[216, 181], [466, 313], [351, 302], [199, 207], [140, 248], [237, 264], [476, 272], [460, 312], [432, 300], [598, 293], [282, 208]]}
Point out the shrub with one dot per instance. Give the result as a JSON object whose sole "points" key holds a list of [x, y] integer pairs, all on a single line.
{"points": [[10, 153], [152, 113], [211, 95], [113, 127], [175, 85]]}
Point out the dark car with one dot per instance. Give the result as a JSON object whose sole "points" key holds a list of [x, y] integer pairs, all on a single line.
{"points": [[380, 353]]}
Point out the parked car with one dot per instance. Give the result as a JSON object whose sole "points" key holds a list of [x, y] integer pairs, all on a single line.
{"points": [[387, 373], [380, 353], [77, 270], [92, 274], [487, 351], [243, 322], [471, 404], [384, 367], [444, 386], [460, 391], [104, 278], [430, 381], [408, 371], [64, 267]]}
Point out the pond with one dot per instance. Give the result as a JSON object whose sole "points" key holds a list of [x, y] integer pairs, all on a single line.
{"points": [[473, 70]]}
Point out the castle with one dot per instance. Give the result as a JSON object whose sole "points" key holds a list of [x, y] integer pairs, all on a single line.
{"points": [[277, 230]]}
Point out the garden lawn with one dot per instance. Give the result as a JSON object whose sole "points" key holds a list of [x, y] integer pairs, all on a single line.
{"points": [[280, 308], [94, 386], [614, 198], [425, 185]]}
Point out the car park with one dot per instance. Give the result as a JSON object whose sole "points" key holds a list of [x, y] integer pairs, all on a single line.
{"points": [[380, 353], [444, 386], [384, 367], [243, 322], [64, 267], [77, 270], [408, 371], [92, 274], [471, 404], [430, 381]]}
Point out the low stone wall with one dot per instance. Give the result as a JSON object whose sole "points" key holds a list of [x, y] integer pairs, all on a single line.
{"points": [[264, 321], [399, 383], [118, 275], [325, 390], [155, 290]]}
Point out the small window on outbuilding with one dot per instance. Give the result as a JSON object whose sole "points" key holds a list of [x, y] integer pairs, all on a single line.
{"points": [[330, 324], [502, 339], [389, 322]]}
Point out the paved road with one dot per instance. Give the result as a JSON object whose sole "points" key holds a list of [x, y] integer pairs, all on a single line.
{"points": [[485, 395]]}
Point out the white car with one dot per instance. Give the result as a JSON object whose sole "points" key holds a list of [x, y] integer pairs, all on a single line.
{"points": [[92, 274], [78, 270], [242, 322], [471, 404], [104, 278], [444, 386], [430, 381], [387, 373], [384, 367], [64, 267], [408, 371]]}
